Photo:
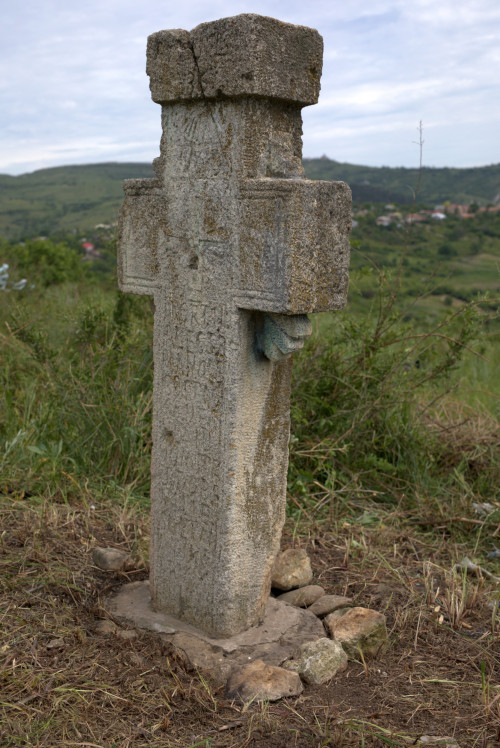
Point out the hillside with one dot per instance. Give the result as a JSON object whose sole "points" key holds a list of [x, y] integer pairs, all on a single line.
{"points": [[480, 184], [79, 197], [63, 198]]}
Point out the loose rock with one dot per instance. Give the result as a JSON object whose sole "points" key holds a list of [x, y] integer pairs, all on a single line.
{"points": [[470, 567], [129, 635], [105, 627], [336, 614], [291, 569], [359, 629], [260, 682], [55, 644], [304, 596], [317, 662], [203, 656], [329, 603], [112, 559]]}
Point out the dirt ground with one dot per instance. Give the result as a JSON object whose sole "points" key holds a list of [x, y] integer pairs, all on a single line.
{"points": [[63, 684]]}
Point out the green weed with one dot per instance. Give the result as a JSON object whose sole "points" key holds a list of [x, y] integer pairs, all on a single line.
{"points": [[77, 405]]}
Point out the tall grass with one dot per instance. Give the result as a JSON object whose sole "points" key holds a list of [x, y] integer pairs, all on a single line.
{"points": [[76, 372], [370, 394], [367, 424], [479, 378]]}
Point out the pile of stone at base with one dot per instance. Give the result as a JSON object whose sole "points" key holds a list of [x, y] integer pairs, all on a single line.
{"points": [[307, 636], [353, 633]]}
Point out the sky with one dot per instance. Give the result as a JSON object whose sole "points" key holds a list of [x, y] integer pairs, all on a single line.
{"points": [[73, 88]]}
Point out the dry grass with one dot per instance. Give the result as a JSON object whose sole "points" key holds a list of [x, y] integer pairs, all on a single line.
{"points": [[63, 684], [469, 434]]}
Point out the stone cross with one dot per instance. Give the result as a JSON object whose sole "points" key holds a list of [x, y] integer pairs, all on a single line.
{"points": [[236, 247]]}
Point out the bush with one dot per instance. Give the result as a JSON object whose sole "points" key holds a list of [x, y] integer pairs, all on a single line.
{"points": [[362, 389], [45, 263], [446, 250], [77, 405]]}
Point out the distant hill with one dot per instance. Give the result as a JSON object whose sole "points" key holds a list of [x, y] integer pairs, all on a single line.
{"points": [[368, 183], [63, 198], [77, 198]]}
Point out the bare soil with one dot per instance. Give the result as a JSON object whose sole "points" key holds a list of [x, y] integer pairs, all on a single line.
{"points": [[64, 684]]}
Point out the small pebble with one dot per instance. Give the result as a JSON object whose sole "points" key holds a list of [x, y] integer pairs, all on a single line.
{"points": [[55, 644], [304, 596], [291, 569], [105, 627], [330, 603], [140, 661], [127, 634], [112, 559]]}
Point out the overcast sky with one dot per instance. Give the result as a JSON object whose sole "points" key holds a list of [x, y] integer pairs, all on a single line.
{"points": [[73, 87]]}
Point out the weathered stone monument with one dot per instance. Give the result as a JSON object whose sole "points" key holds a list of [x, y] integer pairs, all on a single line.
{"points": [[236, 247]]}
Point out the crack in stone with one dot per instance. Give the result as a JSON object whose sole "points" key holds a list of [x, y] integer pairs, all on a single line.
{"points": [[198, 71]]}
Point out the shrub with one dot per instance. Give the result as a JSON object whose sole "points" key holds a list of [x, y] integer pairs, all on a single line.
{"points": [[77, 403], [362, 390], [44, 262]]}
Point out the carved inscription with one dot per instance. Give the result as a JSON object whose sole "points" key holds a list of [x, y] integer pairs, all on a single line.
{"points": [[187, 474]]}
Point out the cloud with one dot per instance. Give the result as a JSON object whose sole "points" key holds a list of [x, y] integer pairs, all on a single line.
{"points": [[73, 86]]}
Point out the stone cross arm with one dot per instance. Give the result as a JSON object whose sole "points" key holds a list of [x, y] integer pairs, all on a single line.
{"points": [[287, 249]]}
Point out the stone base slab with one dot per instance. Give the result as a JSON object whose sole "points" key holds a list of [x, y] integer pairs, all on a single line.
{"points": [[281, 633]]}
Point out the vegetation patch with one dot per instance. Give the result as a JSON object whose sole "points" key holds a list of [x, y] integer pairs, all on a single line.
{"points": [[66, 682], [393, 483]]}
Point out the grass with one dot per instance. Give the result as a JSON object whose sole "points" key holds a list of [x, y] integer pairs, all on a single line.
{"points": [[78, 393], [479, 381]]}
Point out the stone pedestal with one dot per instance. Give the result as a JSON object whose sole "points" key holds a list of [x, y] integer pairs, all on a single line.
{"points": [[282, 631]]}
